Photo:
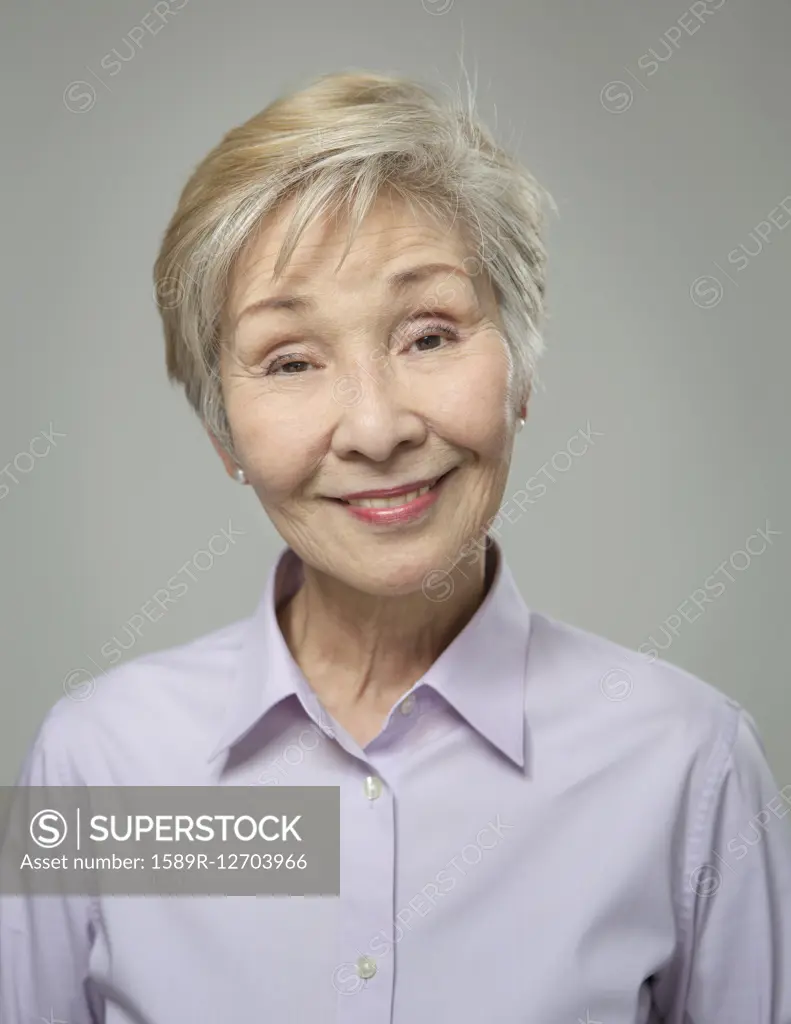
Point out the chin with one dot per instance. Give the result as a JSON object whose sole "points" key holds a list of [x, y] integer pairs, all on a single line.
{"points": [[399, 567]]}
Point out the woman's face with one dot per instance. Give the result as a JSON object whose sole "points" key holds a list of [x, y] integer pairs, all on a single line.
{"points": [[381, 374]]}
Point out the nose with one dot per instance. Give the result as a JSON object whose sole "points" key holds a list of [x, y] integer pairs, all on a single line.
{"points": [[375, 417]]}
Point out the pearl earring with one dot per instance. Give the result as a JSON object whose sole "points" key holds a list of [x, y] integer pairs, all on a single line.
{"points": [[521, 422], [239, 475]]}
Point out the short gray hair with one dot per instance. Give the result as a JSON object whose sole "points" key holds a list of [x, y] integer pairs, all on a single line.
{"points": [[338, 143]]}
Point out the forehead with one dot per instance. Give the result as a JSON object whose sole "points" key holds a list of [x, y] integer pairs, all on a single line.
{"points": [[392, 234]]}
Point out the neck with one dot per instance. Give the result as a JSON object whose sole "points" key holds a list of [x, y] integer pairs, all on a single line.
{"points": [[362, 652]]}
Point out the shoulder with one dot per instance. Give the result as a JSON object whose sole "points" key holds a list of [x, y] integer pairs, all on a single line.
{"points": [[633, 697], [651, 732], [171, 698]]}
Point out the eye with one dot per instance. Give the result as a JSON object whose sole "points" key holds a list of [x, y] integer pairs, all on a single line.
{"points": [[288, 364], [431, 333], [421, 342]]}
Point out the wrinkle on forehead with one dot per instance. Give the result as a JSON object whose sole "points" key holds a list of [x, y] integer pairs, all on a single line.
{"points": [[387, 233]]}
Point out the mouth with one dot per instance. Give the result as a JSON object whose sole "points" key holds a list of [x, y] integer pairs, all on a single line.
{"points": [[393, 497], [396, 507]]}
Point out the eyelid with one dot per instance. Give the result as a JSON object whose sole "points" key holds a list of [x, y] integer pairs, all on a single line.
{"points": [[431, 314], [284, 357], [429, 326], [425, 320]]}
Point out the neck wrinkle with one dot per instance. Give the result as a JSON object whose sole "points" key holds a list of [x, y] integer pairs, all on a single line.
{"points": [[354, 647]]}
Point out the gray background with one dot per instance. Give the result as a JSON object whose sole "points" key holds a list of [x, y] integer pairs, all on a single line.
{"points": [[654, 188]]}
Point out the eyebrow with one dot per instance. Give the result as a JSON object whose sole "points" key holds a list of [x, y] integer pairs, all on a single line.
{"points": [[399, 282]]}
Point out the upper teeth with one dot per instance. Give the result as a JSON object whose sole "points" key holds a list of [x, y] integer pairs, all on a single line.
{"points": [[398, 499]]}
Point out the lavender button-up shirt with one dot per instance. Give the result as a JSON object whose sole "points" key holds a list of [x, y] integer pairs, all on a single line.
{"points": [[549, 829]]}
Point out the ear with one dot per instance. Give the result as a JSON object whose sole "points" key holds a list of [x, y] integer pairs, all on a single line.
{"points": [[526, 400], [229, 463]]}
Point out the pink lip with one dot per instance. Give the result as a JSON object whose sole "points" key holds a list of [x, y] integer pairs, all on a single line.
{"points": [[390, 492], [398, 513]]}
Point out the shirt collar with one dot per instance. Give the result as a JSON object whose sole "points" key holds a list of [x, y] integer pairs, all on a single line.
{"points": [[481, 673], [266, 672]]}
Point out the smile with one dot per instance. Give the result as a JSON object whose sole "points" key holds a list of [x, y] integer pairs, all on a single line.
{"points": [[392, 502], [393, 508]]}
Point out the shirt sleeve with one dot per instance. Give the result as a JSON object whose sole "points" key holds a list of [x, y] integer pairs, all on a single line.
{"points": [[738, 886], [45, 941]]}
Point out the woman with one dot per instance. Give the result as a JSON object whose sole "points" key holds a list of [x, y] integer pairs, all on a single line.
{"points": [[536, 824]]}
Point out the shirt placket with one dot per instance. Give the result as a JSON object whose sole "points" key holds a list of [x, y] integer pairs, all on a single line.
{"points": [[364, 977]]}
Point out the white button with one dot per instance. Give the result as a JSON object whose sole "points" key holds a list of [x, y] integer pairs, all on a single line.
{"points": [[407, 704], [366, 967], [373, 787]]}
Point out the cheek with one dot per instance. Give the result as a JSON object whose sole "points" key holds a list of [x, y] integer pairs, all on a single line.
{"points": [[278, 445], [471, 408]]}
